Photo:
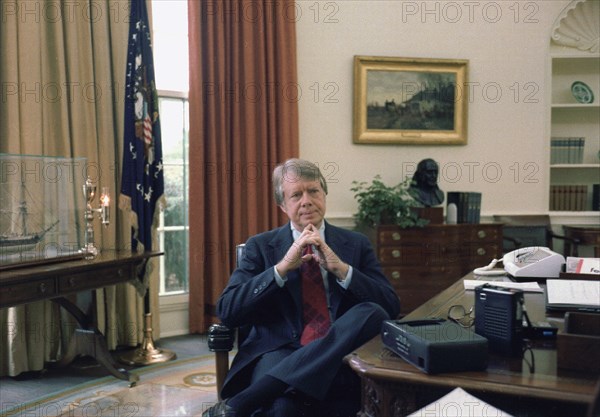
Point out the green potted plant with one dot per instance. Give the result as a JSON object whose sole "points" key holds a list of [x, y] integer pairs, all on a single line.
{"points": [[380, 204]]}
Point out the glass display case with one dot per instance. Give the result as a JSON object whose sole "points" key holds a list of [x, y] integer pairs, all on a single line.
{"points": [[42, 208]]}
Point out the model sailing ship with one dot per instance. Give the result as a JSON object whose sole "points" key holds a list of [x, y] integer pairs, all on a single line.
{"points": [[19, 231]]}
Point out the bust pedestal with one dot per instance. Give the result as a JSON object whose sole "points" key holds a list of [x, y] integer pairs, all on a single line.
{"points": [[435, 215]]}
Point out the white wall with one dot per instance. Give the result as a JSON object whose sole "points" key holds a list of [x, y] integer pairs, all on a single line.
{"points": [[506, 43]]}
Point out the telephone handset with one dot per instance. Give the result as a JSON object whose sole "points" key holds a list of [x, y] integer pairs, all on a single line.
{"points": [[531, 262]]}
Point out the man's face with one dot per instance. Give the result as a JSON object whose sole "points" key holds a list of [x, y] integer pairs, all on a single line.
{"points": [[303, 202], [430, 174]]}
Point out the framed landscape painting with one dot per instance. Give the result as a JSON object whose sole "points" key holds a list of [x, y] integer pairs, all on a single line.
{"points": [[412, 101]]}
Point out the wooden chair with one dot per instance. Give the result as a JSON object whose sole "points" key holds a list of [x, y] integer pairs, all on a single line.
{"points": [[521, 231], [221, 338]]}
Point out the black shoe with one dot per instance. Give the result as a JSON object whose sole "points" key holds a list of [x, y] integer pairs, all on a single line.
{"points": [[220, 409]]}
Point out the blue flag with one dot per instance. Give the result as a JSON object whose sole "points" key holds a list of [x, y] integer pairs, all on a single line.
{"points": [[142, 183]]}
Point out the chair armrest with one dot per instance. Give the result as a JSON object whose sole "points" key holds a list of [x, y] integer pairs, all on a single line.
{"points": [[573, 241], [516, 242], [220, 341], [220, 338]]}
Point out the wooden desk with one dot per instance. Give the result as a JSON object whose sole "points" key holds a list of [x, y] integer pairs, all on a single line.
{"points": [[56, 280], [393, 387], [585, 235]]}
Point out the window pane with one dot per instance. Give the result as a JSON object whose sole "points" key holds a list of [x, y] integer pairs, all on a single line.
{"points": [[175, 266], [175, 212], [170, 44], [175, 160], [172, 129], [174, 228]]}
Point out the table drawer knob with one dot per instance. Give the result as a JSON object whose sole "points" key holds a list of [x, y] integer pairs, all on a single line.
{"points": [[72, 282], [396, 236], [120, 272], [480, 251], [396, 253], [481, 234], [396, 275], [43, 287]]}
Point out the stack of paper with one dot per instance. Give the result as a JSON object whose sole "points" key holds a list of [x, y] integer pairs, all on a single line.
{"points": [[459, 403], [573, 294]]}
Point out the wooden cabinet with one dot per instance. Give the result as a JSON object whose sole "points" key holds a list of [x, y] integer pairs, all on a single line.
{"points": [[421, 262]]}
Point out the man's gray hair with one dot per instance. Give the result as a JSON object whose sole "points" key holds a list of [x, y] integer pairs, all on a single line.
{"points": [[295, 170]]}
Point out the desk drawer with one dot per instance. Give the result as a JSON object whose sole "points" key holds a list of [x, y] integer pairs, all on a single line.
{"points": [[99, 278], [481, 254], [405, 276], [27, 292], [483, 232], [395, 236], [423, 255]]}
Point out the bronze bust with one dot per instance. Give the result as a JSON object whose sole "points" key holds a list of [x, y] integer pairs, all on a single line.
{"points": [[424, 187]]}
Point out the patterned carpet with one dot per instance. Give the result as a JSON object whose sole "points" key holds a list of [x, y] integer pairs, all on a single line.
{"points": [[183, 387]]}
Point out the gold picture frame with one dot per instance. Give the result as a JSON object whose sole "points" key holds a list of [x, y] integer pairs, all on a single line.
{"points": [[410, 101]]}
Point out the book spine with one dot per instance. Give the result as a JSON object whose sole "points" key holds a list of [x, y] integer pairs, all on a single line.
{"points": [[570, 198]]}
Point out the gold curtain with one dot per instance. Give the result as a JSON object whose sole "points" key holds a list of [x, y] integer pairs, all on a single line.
{"points": [[243, 121], [62, 72]]}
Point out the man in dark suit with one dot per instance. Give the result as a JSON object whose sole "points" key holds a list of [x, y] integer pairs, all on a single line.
{"points": [[291, 363]]}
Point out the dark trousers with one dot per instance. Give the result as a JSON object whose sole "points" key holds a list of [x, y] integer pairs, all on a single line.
{"points": [[320, 384]]}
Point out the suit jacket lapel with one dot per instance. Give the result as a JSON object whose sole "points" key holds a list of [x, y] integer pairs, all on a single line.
{"points": [[338, 243]]}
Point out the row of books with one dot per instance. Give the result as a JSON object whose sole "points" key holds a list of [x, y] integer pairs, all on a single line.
{"points": [[574, 197], [468, 206], [568, 150]]}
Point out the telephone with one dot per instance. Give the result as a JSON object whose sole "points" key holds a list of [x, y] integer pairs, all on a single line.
{"points": [[531, 262]]}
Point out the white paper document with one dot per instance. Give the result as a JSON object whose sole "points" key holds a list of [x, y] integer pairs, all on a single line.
{"points": [[573, 292], [470, 284], [583, 265], [459, 403]]}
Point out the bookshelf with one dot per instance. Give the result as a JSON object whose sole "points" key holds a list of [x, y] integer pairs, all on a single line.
{"points": [[574, 141]]}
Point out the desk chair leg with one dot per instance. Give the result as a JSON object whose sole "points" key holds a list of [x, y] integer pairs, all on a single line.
{"points": [[221, 368], [220, 341]]}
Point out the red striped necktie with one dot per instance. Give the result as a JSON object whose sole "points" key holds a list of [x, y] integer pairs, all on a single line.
{"points": [[315, 314]]}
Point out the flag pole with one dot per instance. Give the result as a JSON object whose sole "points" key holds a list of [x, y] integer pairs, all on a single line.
{"points": [[147, 353], [142, 184]]}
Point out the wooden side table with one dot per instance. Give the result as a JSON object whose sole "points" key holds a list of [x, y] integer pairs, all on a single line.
{"points": [[586, 235], [22, 285]]}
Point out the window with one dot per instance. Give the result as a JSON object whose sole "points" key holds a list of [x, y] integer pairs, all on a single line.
{"points": [[170, 48], [173, 229]]}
